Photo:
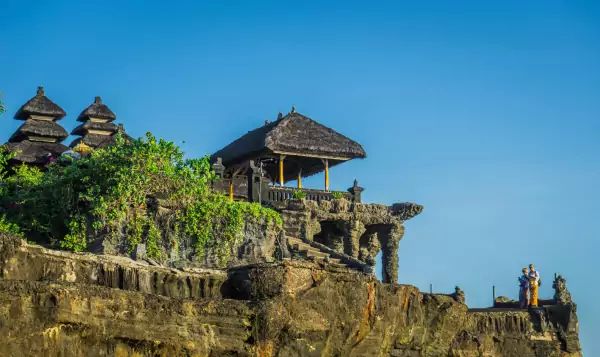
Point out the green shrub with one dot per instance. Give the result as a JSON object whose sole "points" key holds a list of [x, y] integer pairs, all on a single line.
{"points": [[299, 194], [7, 227], [337, 195], [110, 193]]}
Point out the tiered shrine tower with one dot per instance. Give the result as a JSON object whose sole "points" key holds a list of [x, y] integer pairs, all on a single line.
{"points": [[97, 129], [38, 140]]}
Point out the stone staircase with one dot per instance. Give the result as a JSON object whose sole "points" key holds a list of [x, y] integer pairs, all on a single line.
{"points": [[306, 251], [301, 249]]}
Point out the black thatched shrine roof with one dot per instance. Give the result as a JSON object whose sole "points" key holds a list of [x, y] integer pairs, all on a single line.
{"points": [[35, 152], [40, 105], [42, 128], [99, 141], [294, 134], [97, 110], [90, 125], [95, 141]]}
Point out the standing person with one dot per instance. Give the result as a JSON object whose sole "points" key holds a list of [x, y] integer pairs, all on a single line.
{"points": [[534, 283], [524, 289]]}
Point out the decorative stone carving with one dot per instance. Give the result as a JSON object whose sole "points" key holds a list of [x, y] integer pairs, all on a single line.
{"points": [[458, 295], [562, 296]]}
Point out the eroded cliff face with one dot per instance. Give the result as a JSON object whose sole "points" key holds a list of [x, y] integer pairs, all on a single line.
{"points": [[64, 304]]}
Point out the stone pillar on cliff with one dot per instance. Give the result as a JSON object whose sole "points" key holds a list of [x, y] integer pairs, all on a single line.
{"points": [[390, 239], [353, 230]]}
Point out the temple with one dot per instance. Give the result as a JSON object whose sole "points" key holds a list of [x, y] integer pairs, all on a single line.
{"points": [[290, 148], [38, 140], [97, 129], [257, 165], [301, 288], [331, 227]]}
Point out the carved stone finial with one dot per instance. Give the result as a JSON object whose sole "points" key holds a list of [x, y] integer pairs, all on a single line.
{"points": [[293, 109], [219, 168], [97, 100], [562, 296], [356, 192], [279, 115], [458, 295], [40, 91]]}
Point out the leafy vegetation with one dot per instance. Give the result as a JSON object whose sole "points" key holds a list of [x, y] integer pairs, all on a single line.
{"points": [[299, 194], [337, 195], [140, 191], [7, 227]]}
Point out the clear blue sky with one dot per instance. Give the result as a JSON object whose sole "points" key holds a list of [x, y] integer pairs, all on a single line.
{"points": [[485, 112]]}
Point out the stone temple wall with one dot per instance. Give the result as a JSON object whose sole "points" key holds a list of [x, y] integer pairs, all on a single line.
{"points": [[356, 230]]}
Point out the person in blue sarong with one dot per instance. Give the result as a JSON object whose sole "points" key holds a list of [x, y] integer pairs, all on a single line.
{"points": [[524, 289]]}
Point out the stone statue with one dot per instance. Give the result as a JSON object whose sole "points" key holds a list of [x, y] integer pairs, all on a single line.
{"points": [[562, 296], [458, 295]]}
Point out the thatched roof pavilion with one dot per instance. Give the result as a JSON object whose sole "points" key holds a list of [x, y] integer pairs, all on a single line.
{"points": [[39, 138], [97, 129], [292, 147]]}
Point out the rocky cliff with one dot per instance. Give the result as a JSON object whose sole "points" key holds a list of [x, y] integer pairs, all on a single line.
{"points": [[65, 304]]}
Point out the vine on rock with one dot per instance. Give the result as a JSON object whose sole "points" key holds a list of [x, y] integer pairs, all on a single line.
{"points": [[137, 191]]}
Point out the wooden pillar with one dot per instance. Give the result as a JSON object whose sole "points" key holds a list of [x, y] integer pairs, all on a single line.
{"points": [[326, 163], [300, 179], [231, 189], [281, 177]]}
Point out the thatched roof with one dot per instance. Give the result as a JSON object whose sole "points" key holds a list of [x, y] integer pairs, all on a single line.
{"points": [[34, 152], [97, 110], [44, 128], [90, 125], [293, 134], [98, 141], [40, 105], [95, 141]]}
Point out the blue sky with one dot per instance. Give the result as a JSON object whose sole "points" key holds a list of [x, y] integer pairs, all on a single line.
{"points": [[485, 112]]}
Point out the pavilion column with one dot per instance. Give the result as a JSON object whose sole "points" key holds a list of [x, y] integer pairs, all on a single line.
{"points": [[300, 178], [231, 189], [281, 177], [326, 163]]}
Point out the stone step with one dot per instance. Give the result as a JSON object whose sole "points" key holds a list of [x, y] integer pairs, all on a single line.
{"points": [[315, 253], [301, 246], [312, 253], [335, 261]]}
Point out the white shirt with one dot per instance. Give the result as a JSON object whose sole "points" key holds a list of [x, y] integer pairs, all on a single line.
{"points": [[536, 275]]}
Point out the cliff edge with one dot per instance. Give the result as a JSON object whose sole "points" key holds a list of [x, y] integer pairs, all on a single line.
{"points": [[55, 303]]}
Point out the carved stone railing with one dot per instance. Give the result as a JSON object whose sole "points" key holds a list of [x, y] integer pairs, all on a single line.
{"points": [[282, 193]]}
